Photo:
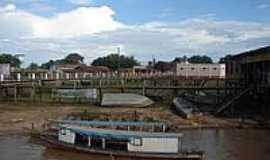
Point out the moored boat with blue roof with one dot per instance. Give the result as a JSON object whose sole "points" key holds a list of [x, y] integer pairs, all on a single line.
{"points": [[120, 143]]}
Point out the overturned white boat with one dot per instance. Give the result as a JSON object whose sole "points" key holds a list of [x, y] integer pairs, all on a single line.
{"points": [[183, 107], [125, 99]]}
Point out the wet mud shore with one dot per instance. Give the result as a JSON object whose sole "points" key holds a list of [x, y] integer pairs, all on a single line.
{"points": [[19, 119]]}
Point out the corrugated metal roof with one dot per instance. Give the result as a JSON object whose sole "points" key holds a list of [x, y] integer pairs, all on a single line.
{"points": [[117, 134], [109, 123], [255, 52]]}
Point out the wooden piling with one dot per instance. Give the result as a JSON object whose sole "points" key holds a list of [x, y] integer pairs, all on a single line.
{"points": [[15, 94]]}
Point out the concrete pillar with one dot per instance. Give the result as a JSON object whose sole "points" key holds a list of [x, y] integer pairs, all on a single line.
{"points": [[18, 76], [33, 76], [2, 77], [57, 76], [76, 75], [45, 75], [67, 75]]}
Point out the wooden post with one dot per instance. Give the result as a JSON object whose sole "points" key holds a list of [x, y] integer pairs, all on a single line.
{"points": [[103, 143], [15, 94], [153, 128], [33, 92], [40, 94], [100, 91], [122, 86], [89, 141], [57, 76], [218, 92], [163, 128], [143, 89]]}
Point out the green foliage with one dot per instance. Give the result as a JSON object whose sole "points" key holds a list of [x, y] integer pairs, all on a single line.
{"points": [[200, 59], [73, 58], [12, 60], [33, 66], [115, 61], [163, 66], [225, 59], [47, 64]]}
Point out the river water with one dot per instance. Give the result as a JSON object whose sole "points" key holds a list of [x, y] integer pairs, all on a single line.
{"points": [[230, 144]]}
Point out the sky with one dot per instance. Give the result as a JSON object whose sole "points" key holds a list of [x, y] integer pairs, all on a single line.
{"points": [[164, 29]]}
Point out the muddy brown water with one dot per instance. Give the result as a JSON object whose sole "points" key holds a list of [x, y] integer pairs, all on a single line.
{"points": [[230, 144]]}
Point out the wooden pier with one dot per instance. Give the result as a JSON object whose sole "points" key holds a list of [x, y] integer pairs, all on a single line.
{"points": [[43, 90]]}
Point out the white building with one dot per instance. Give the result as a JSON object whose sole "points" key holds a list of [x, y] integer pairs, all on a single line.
{"points": [[189, 70], [4, 71]]}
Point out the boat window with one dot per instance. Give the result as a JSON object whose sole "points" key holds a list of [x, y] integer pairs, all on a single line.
{"points": [[63, 132], [136, 141]]}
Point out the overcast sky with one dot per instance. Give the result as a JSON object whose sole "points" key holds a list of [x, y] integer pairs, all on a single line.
{"points": [[164, 29]]}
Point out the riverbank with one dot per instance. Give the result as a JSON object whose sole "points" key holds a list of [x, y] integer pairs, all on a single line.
{"points": [[18, 118]]}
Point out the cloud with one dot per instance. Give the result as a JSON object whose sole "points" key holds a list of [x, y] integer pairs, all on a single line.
{"points": [[263, 6], [93, 32], [81, 2], [77, 22], [8, 8]]}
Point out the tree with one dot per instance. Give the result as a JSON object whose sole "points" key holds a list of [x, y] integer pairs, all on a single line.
{"points": [[115, 61], [200, 59], [47, 65], [12, 60], [225, 59], [73, 58], [163, 66], [180, 59], [33, 66]]}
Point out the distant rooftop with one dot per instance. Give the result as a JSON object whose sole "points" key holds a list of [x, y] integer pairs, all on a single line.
{"points": [[263, 50]]}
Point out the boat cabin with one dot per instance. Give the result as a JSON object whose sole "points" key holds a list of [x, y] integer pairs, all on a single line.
{"points": [[131, 141]]}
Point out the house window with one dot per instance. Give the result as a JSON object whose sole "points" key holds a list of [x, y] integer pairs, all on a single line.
{"points": [[214, 68], [204, 68], [192, 68], [136, 141], [181, 68]]}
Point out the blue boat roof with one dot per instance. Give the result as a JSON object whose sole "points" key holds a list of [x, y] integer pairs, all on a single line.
{"points": [[109, 123], [118, 134]]}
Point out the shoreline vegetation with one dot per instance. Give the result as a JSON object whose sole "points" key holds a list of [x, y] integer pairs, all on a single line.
{"points": [[18, 119]]}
